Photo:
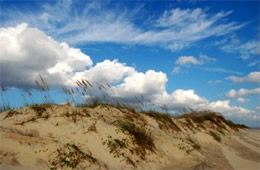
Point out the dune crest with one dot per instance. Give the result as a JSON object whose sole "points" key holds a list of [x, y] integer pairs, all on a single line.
{"points": [[106, 137]]}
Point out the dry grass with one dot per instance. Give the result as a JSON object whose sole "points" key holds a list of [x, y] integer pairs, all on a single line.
{"points": [[141, 137], [70, 156], [214, 118], [11, 113], [164, 120], [215, 136]]}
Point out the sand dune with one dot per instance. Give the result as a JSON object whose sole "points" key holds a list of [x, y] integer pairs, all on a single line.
{"points": [[105, 137]]}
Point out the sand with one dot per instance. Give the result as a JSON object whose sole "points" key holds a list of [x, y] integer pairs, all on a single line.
{"points": [[66, 137]]}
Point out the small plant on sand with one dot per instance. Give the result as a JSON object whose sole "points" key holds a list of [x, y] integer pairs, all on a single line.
{"points": [[116, 145], [70, 156]]}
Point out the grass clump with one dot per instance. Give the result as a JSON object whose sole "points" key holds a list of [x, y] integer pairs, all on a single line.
{"points": [[11, 113], [71, 156], [213, 117], [194, 143], [164, 119], [140, 136], [215, 136], [40, 108], [200, 117]]}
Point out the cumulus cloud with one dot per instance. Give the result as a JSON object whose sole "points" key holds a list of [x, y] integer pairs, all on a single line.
{"points": [[27, 52], [103, 72], [225, 108], [242, 92], [148, 83], [175, 29], [252, 77]]}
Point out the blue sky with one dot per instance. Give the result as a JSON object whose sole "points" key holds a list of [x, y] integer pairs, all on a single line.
{"points": [[195, 54]]}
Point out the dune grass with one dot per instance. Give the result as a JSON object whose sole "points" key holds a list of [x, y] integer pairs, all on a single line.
{"points": [[92, 95], [141, 137], [164, 119]]}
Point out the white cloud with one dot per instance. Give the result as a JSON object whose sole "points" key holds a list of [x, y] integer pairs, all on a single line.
{"points": [[189, 98], [225, 108], [146, 84], [191, 60], [174, 29], [213, 82], [206, 59], [27, 52], [221, 70], [176, 70], [103, 72], [242, 100], [245, 49], [188, 60], [252, 77], [185, 60], [254, 63], [242, 92]]}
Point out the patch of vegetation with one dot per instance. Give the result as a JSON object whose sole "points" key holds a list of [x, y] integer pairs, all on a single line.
{"points": [[11, 113], [194, 143], [76, 113], [115, 146], [185, 147], [40, 108], [71, 156], [213, 117], [164, 120], [142, 138], [215, 136], [189, 144], [92, 128], [200, 117]]}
